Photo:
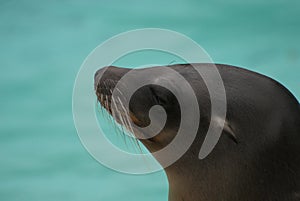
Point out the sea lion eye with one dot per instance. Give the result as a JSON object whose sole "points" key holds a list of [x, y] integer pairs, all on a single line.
{"points": [[154, 95], [157, 98]]}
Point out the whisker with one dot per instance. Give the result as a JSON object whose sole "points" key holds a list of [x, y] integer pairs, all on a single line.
{"points": [[128, 126], [173, 61], [127, 116], [105, 105], [130, 129], [117, 112], [101, 97], [120, 91], [107, 100]]}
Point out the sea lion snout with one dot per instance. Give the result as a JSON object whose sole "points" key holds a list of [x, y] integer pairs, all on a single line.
{"points": [[105, 81], [103, 85], [98, 74], [112, 73], [106, 78]]}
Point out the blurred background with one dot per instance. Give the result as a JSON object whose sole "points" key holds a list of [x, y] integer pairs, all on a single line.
{"points": [[42, 46]]}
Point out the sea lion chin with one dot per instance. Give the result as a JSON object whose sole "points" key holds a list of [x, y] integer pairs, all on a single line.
{"points": [[256, 158]]}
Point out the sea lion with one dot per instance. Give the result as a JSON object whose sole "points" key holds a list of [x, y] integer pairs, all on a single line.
{"points": [[256, 158]]}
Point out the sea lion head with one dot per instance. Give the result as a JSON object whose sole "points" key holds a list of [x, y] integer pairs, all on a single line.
{"points": [[143, 99]]}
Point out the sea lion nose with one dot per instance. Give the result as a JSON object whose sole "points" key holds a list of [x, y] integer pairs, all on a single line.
{"points": [[98, 76], [99, 73]]}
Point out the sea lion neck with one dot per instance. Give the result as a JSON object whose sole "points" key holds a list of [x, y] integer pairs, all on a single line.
{"points": [[212, 178]]}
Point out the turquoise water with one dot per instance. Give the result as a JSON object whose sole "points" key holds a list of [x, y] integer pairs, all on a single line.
{"points": [[43, 44]]}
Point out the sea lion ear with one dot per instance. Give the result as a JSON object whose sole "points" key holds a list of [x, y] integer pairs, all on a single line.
{"points": [[227, 129], [211, 140], [158, 94]]}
